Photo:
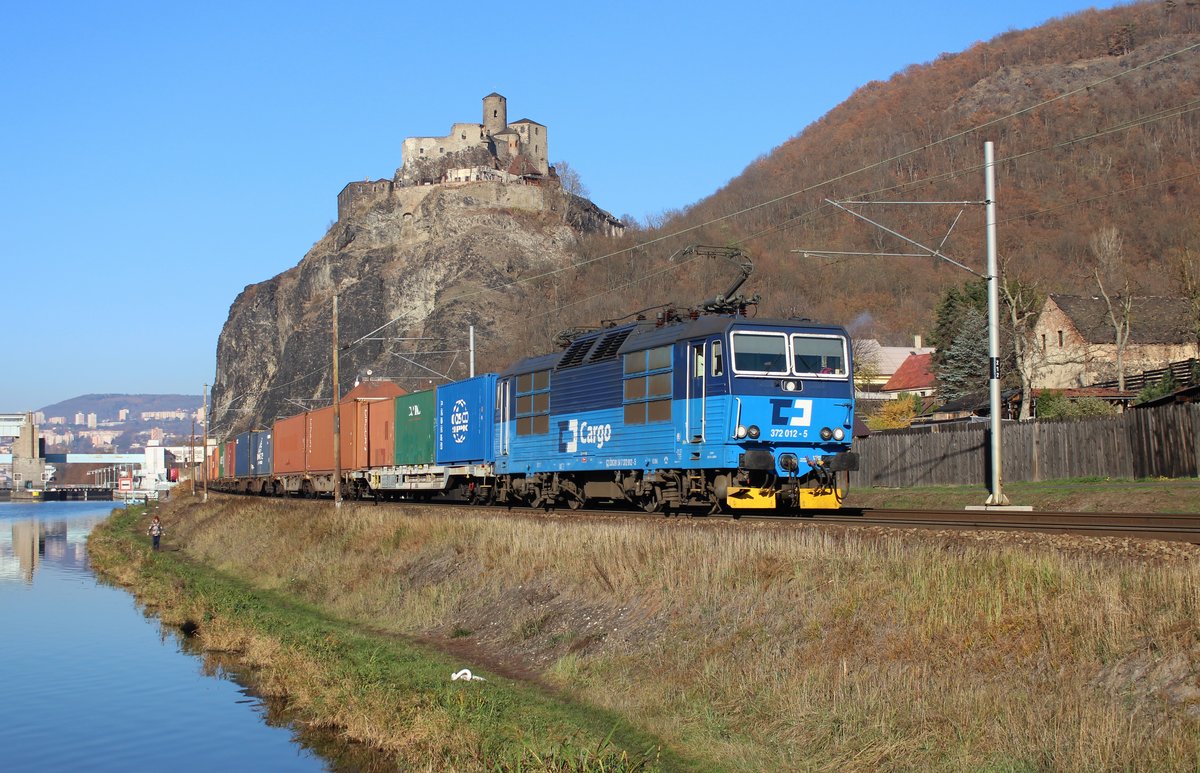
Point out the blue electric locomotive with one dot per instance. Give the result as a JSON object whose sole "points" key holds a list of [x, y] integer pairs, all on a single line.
{"points": [[721, 412]]}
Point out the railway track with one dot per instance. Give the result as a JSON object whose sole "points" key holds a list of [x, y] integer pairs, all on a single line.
{"points": [[1176, 527], [1173, 527]]}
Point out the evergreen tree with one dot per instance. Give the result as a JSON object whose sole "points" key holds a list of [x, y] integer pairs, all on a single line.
{"points": [[950, 313], [1161, 388], [964, 366]]}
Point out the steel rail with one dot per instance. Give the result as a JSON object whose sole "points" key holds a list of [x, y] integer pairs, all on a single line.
{"points": [[1177, 527]]}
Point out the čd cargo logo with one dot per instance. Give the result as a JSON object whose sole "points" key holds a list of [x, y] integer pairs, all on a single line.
{"points": [[460, 421], [791, 413], [574, 433]]}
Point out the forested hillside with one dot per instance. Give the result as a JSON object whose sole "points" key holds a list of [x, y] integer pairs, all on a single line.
{"points": [[1094, 122]]}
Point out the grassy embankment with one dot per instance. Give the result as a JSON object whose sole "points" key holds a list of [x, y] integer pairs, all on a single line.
{"points": [[375, 689], [752, 646]]}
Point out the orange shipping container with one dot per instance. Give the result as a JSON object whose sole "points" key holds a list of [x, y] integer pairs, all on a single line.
{"points": [[356, 435], [381, 432], [319, 437], [288, 439]]}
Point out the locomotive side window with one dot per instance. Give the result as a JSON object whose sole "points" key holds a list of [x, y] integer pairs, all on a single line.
{"points": [[819, 355], [718, 360], [533, 403], [762, 354], [647, 386]]}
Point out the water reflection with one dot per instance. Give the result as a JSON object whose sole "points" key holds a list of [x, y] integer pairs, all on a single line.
{"points": [[32, 541], [85, 673]]}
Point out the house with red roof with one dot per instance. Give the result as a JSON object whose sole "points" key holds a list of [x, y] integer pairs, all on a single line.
{"points": [[914, 376]]}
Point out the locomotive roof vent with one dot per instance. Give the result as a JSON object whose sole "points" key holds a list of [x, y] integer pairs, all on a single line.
{"points": [[608, 346], [576, 352]]}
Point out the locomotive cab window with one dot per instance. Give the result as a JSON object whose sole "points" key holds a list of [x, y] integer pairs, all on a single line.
{"points": [[760, 354], [533, 403], [820, 356], [648, 386]]}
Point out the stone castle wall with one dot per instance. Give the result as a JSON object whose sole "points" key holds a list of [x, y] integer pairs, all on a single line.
{"points": [[361, 191], [462, 136], [534, 143], [491, 151]]}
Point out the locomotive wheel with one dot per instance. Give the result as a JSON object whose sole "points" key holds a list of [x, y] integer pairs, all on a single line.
{"points": [[574, 504], [652, 502]]}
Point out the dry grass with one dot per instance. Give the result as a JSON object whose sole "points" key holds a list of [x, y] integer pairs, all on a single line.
{"points": [[770, 647], [380, 691]]}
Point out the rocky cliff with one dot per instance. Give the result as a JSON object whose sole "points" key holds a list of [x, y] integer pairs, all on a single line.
{"points": [[431, 261]]}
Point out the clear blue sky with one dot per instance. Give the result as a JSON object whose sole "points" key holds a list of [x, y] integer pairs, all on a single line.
{"points": [[158, 157]]}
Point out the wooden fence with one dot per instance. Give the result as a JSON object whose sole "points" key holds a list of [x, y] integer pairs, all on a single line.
{"points": [[1142, 443]]}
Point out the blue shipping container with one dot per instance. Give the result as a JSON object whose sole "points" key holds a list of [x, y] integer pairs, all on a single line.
{"points": [[466, 415], [260, 452], [241, 461]]}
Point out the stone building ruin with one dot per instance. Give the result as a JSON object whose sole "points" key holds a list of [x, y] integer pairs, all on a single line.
{"points": [[479, 150], [493, 150]]}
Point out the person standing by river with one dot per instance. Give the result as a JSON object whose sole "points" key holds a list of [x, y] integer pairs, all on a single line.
{"points": [[155, 531]]}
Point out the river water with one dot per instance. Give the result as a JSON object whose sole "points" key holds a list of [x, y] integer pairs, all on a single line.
{"points": [[88, 682]]}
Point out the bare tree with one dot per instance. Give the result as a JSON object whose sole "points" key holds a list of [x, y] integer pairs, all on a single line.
{"points": [[1186, 265], [569, 179], [866, 352], [1113, 276], [1022, 304]]}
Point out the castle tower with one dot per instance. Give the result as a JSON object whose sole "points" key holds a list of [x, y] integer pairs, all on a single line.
{"points": [[495, 114]]}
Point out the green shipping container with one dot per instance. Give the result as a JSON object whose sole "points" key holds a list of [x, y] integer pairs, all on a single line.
{"points": [[415, 428], [221, 460]]}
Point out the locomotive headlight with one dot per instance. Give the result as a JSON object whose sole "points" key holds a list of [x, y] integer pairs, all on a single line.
{"points": [[839, 434], [789, 386], [740, 432], [826, 433], [753, 432]]}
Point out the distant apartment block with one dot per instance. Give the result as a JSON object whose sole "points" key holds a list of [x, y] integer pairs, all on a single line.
{"points": [[80, 419], [39, 417], [54, 438], [91, 421], [57, 420], [123, 414], [100, 437], [177, 415]]}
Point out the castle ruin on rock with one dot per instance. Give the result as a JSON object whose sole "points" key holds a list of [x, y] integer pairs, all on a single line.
{"points": [[493, 150]]}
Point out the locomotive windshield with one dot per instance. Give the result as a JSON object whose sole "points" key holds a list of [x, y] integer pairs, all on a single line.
{"points": [[819, 355], [760, 353], [777, 354]]}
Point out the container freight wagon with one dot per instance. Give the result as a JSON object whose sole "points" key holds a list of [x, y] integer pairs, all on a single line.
{"points": [[262, 455], [230, 469], [444, 443], [414, 429], [214, 464], [289, 444], [241, 463], [251, 463], [302, 445], [381, 432], [408, 469], [466, 416]]}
